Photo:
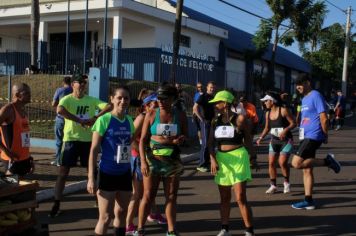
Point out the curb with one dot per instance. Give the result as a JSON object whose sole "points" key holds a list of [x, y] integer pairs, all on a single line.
{"points": [[47, 194]]}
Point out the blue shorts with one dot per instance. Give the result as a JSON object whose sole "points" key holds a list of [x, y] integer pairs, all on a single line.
{"points": [[72, 150], [136, 168], [283, 148]]}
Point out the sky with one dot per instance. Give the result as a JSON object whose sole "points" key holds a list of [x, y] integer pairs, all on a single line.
{"points": [[249, 23]]}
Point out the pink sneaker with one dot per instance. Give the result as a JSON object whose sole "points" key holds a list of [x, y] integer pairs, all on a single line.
{"points": [[130, 230], [158, 218]]}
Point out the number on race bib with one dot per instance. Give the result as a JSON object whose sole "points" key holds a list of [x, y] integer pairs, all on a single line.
{"points": [[276, 131], [301, 133], [167, 129], [25, 139], [224, 132], [123, 154]]}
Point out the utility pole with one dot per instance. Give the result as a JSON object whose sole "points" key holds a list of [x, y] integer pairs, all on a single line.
{"points": [[176, 40], [67, 39], [104, 64], [85, 37], [346, 52]]}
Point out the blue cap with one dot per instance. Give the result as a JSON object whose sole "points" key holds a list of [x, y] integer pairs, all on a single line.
{"points": [[150, 98]]}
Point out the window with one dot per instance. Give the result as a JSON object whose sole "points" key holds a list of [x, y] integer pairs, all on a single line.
{"points": [[184, 41], [0, 42], [149, 72], [127, 71]]}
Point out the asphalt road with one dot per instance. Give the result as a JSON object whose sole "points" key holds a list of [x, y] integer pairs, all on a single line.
{"points": [[198, 209]]}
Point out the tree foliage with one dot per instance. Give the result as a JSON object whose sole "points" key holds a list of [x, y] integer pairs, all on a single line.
{"points": [[292, 20]]}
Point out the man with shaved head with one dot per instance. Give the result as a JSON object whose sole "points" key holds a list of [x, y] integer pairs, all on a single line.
{"points": [[15, 132]]}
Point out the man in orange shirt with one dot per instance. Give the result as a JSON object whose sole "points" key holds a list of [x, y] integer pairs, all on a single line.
{"points": [[15, 133]]}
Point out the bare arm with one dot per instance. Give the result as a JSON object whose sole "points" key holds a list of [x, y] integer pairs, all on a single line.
{"points": [[324, 122], [143, 140], [285, 113], [242, 125], [94, 151], [196, 111], [265, 130], [54, 103], [7, 117], [138, 126], [66, 114]]}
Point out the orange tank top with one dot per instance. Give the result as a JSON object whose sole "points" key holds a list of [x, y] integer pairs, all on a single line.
{"points": [[16, 137]]}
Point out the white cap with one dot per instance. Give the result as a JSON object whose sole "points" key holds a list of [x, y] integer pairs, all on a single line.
{"points": [[268, 97]]}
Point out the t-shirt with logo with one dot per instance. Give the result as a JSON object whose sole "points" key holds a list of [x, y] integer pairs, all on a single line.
{"points": [[114, 132], [83, 108], [312, 105]]}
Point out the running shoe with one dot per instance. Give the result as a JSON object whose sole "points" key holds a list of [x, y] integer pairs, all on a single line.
{"points": [[140, 232], [272, 189], [203, 169], [172, 233], [304, 205], [157, 218], [286, 187], [334, 164], [130, 229], [249, 234], [54, 211], [223, 232]]}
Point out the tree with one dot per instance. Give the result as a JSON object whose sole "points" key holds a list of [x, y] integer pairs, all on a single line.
{"points": [[327, 60], [176, 39], [292, 20], [35, 23]]}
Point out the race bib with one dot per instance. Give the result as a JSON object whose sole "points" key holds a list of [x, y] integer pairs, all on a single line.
{"points": [[25, 139], [167, 129], [224, 132], [276, 131], [123, 154], [301, 133]]}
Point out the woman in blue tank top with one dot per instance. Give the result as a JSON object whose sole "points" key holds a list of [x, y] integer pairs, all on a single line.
{"points": [[163, 130], [112, 133]]}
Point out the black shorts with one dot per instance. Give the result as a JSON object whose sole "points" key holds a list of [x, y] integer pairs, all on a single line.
{"points": [[74, 149], [307, 148], [107, 182], [20, 168]]}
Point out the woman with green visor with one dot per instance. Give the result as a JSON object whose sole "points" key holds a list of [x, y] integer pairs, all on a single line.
{"points": [[165, 128], [230, 164]]}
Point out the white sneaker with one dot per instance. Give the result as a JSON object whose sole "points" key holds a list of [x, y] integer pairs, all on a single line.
{"points": [[286, 187], [272, 189], [223, 232]]}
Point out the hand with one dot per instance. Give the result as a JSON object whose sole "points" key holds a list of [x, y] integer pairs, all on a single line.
{"points": [[91, 186], [144, 168], [258, 141], [254, 165], [179, 140], [214, 166], [283, 135]]}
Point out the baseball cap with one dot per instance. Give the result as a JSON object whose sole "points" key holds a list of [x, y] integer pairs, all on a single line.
{"points": [[268, 97], [78, 78], [223, 96]]}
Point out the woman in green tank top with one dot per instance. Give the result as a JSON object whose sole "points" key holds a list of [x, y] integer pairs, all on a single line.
{"points": [[163, 130]]}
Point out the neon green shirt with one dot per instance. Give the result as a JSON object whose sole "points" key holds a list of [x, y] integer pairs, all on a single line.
{"points": [[83, 108]]}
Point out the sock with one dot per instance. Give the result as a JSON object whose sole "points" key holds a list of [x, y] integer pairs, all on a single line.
{"points": [[286, 179], [119, 231], [308, 198], [226, 227], [273, 182], [250, 229]]}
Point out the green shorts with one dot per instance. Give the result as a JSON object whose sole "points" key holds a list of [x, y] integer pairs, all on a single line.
{"points": [[165, 166], [234, 167]]}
